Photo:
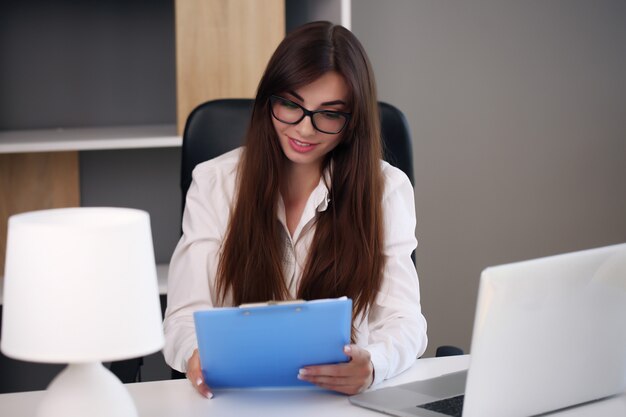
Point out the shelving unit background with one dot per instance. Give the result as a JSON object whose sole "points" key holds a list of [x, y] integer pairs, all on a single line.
{"points": [[83, 77], [99, 67]]}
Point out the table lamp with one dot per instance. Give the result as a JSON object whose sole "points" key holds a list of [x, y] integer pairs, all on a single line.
{"points": [[81, 288]]}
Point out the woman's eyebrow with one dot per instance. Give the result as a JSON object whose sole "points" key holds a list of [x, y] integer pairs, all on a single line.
{"points": [[296, 95], [326, 103], [333, 103]]}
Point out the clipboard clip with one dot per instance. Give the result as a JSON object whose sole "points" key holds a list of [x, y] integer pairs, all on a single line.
{"points": [[271, 303]]}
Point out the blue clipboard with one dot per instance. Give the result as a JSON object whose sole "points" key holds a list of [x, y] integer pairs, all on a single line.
{"points": [[265, 345]]}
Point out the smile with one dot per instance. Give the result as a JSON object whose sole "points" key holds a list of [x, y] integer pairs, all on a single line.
{"points": [[302, 143], [301, 147]]}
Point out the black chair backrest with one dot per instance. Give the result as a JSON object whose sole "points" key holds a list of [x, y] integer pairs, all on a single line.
{"points": [[218, 126]]}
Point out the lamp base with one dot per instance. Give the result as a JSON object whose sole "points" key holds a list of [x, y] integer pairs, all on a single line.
{"points": [[86, 389]]}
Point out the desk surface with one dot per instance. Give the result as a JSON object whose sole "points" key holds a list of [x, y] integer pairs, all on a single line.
{"points": [[177, 398]]}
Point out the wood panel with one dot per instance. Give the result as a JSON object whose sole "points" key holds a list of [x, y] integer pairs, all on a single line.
{"points": [[36, 181], [222, 48]]}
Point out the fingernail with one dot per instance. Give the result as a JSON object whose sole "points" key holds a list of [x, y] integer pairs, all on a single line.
{"points": [[347, 349], [303, 372], [300, 376], [199, 381], [209, 395]]}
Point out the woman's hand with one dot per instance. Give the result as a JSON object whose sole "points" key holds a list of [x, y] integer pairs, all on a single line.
{"points": [[348, 378], [194, 375]]}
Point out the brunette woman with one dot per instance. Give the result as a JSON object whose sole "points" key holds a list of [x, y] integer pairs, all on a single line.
{"points": [[307, 209]]}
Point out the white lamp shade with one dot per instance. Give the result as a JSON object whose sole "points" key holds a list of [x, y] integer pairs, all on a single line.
{"points": [[80, 286]]}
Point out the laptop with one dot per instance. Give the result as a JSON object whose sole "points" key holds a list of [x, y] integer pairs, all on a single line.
{"points": [[549, 333]]}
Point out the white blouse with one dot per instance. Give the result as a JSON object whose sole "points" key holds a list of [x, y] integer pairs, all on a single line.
{"points": [[394, 331]]}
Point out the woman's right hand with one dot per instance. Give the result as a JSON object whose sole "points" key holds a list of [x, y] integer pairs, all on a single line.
{"points": [[194, 375]]}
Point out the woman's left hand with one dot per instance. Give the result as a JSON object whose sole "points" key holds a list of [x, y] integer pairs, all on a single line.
{"points": [[348, 378]]}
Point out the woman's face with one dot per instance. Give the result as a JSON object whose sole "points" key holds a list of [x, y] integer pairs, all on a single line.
{"points": [[301, 142]]}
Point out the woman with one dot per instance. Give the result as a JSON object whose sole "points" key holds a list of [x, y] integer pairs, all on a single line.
{"points": [[307, 210]]}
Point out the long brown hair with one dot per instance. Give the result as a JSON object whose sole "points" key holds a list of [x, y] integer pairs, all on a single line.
{"points": [[346, 254]]}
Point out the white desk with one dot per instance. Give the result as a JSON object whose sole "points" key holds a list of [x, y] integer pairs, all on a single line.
{"points": [[178, 399]]}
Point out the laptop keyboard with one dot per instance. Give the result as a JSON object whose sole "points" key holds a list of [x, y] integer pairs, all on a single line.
{"points": [[450, 406]]}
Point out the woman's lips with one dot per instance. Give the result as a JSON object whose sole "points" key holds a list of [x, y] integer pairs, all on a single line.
{"points": [[300, 146]]}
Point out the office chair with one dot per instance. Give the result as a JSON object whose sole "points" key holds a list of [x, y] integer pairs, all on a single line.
{"points": [[219, 126]]}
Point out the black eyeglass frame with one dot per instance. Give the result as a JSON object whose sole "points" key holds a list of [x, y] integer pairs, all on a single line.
{"points": [[309, 113]]}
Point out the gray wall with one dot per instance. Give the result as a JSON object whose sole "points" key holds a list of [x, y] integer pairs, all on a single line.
{"points": [[518, 115], [89, 63], [145, 179]]}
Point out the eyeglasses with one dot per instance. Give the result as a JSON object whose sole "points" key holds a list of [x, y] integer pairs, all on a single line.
{"points": [[326, 121]]}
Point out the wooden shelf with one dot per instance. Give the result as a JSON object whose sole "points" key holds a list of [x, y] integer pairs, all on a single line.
{"points": [[88, 139]]}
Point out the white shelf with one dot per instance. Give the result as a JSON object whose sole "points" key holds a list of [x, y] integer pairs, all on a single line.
{"points": [[87, 139], [161, 278]]}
